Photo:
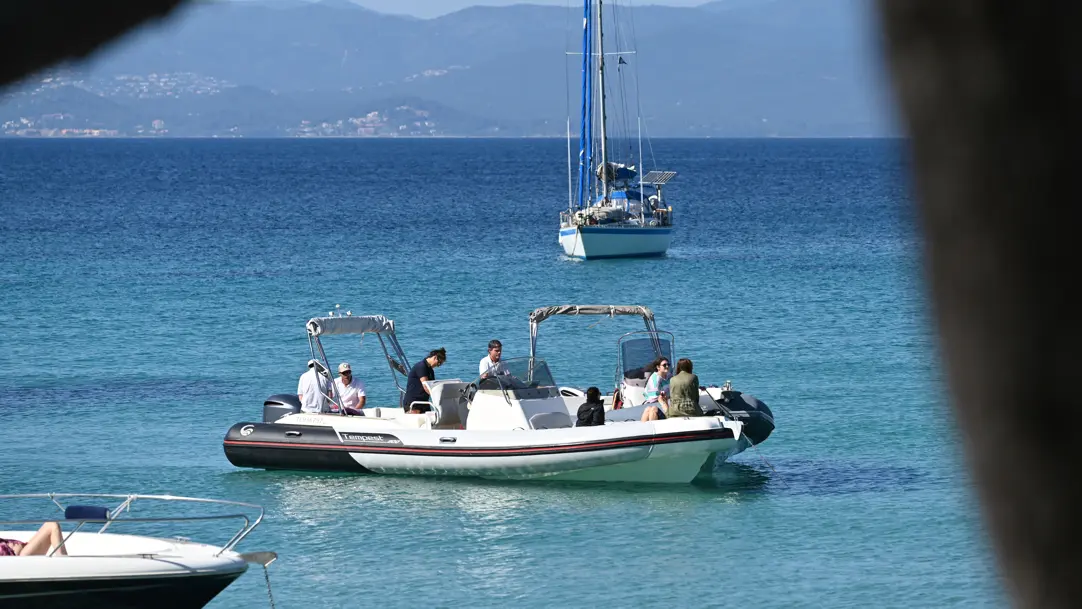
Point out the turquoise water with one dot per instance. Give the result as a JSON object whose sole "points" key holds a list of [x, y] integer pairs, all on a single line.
{"points": [[152, 293]]}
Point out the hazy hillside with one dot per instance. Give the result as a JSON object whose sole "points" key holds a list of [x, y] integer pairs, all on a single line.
{"points": [[726, 68]]}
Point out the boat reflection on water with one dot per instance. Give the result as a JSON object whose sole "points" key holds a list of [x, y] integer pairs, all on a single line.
{"points": [[476, 536], [311, 495]]}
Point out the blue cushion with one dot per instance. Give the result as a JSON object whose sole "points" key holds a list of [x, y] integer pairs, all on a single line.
{"points": [[86, 512]]}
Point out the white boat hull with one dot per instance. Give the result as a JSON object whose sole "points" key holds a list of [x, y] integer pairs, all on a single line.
{"points": [[597, 242], [109, 570], [669, 451]]}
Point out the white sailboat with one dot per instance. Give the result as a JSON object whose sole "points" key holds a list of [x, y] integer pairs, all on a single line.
{"points": [[609, 214]]}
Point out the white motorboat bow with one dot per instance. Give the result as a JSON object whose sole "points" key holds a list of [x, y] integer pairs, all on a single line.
{"points": [[513, 425], [94, 568], [635, 352]]}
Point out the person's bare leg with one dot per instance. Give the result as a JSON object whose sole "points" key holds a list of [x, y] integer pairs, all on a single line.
{"points": [[48, 536], [650, 414]]}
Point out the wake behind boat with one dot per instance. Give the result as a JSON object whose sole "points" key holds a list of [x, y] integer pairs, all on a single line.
{"points": [[610, 215], [89, 567], [511, 425]]}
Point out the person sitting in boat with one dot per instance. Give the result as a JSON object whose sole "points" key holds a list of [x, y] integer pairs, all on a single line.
{"points": [[592, 411], [350, 390], [684, 391], [49, 536], [657, 391], [314, 388], [417, 398], [491, 364]]}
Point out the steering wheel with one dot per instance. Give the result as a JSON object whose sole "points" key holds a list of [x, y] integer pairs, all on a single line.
{"points": [[468, 392]]}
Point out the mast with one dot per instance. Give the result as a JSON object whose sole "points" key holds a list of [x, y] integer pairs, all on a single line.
{"points": [[642, 202], [570, 199], [601, 92]]}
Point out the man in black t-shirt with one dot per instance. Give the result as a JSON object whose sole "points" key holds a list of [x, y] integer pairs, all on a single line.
{"points": [[415, 383]]}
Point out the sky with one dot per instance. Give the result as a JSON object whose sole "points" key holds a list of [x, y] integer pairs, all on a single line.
{"points": [[434, 8]]}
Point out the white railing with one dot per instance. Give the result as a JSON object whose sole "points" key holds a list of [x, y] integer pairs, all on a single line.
{"points": [[113, 515]]}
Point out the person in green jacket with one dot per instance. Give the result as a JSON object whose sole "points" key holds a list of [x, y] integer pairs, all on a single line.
{"points": [[684, 391]]}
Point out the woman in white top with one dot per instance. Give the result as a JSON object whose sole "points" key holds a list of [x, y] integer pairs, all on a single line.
{"points": [[657, 390]]}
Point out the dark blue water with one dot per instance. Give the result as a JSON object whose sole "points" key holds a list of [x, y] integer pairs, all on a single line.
{"points": [[152, 293]]}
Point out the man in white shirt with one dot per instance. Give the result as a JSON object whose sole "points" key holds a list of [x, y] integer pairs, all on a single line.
{"points": [[491, 364], [350, 390], [313, 389]]}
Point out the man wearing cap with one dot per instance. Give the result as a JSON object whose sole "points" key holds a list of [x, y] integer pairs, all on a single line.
{"points": [[350, 390], [314, 388]]}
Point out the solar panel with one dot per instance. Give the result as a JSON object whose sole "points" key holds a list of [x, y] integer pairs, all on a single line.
{"points": [[658, 178]]}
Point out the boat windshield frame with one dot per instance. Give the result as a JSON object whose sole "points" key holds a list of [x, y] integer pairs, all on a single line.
{"points": [[521, 378], [114, 514], [658, 340]]}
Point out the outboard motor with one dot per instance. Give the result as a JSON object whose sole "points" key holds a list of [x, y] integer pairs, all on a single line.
{"points": [[757, 418], [279, 405]]}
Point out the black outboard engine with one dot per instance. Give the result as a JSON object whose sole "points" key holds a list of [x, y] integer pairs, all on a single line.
{"points": [[757, 418], [279, 405]]}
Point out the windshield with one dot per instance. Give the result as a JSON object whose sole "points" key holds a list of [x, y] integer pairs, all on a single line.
{"points": [[526, 378], [637, 353]]}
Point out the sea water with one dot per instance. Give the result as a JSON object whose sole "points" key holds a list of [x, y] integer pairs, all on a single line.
{"points": [[153, 293]]}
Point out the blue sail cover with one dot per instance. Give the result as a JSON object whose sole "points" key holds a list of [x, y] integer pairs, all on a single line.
{"points": [[617, 172], [586, 125], [619, 195], [624, 174]]}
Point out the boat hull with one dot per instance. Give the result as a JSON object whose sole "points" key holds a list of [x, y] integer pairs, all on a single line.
{"points": [[118, 570], [599, 242], [662, 452], [179, 592]]}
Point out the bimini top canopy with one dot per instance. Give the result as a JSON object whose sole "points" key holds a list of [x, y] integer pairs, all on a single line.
{"points": [[360, 324], [543, 313]]}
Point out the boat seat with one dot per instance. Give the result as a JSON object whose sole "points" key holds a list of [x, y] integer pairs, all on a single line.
{"points": [[86, 512], [449, 405], [413, 420], [550, 420]]}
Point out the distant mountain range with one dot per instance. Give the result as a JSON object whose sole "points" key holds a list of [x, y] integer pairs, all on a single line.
{"points": [[730, 68]]}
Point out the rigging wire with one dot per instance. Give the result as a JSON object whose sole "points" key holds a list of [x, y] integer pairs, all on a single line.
{"points": [[638, 103]]}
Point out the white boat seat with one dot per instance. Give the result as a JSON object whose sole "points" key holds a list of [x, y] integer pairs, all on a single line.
{"points": [[634, 395], [413, 420], [550, 420], [449, 404]]}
